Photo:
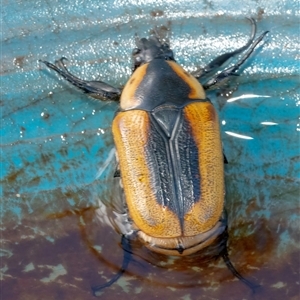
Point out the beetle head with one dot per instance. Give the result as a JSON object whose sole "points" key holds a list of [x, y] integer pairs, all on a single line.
{"points": [[149, 49]]}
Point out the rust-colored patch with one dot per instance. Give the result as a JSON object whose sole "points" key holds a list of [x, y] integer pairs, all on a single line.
{"points": [[260, 13], [11, 178]]}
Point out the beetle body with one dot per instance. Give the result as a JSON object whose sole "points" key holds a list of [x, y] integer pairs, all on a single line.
{"points": [[169, 152], [170, 158]]}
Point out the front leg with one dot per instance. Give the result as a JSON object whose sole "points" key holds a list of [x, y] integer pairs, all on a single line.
{"points": [[96, 89], [215, 64], [221, 78]]}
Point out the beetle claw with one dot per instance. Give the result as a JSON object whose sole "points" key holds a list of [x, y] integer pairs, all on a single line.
{"points": [[127, 249]]}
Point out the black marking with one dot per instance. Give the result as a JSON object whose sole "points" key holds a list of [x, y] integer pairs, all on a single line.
{"points": [[161, 85], [173, 160], [166, 116], [117, 173], [180, 249], [225, 158]]}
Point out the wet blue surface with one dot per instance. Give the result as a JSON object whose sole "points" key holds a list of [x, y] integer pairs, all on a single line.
{"points": [[54, 140]]}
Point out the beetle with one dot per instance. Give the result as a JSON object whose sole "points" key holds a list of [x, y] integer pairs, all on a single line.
{"points": [[169, 151]]}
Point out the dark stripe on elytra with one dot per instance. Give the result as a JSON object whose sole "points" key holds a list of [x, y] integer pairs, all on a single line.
{"points": [[161, 164]]}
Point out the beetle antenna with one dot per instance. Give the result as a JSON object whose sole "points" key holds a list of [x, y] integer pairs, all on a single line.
{"points": [[126, 245]]}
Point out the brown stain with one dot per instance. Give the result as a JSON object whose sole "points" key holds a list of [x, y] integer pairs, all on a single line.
{"points": [[19, 61], [64, 150], [260, 12], [12, 177], [65, 167], [46, 158], [34, 181], [252, 248], [45, 115], [156, 13]]}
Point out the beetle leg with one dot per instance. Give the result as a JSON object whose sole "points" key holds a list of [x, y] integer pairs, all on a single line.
{"points": [[117, 173], [96, 89], [224, 254], [222, 77], [220, 60], [126, 245], [225, 158]]}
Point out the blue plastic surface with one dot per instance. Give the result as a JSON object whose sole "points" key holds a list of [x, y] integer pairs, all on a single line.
{"points": [[54, 140]]}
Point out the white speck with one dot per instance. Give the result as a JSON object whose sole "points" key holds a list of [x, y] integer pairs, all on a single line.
{"points": [[98, 248], [279, 285], [79, 279], [223, 122], [57, 271], [29, 267], [50, 239], [18, 195], [101, 130]]}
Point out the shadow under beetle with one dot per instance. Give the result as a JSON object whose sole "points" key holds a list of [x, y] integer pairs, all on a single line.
{"points": [[169, 151]]}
